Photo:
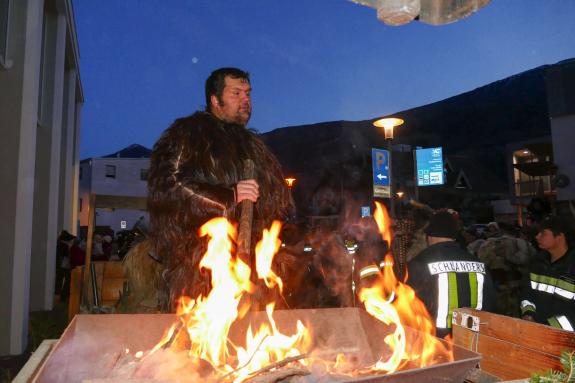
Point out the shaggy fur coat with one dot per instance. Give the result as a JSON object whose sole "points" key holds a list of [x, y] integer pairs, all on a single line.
{"points": [[194, 168]]}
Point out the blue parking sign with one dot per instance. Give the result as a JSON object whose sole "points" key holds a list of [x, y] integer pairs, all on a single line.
{"points": [[381, 173], [380, 164]]}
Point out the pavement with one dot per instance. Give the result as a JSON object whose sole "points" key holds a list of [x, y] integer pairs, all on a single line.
{"points": [[42, 325]]}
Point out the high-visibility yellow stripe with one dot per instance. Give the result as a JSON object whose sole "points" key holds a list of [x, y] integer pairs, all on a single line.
{"points": [[547, 280], [368, 271], [473, 289], [453, 299]]}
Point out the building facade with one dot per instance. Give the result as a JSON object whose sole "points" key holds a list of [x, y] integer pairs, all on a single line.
{"points": [[124, 173], [40, 103]]}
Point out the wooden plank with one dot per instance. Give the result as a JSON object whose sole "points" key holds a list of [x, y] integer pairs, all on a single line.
{"points": [[103, 201], [30, 369], [511, 348], [113, 269], [524, 333], [75, 292], [504, 359], [111, 290], [86, 287], [120, 202]]}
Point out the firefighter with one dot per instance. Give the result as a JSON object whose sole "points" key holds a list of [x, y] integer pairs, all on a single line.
{"points": [[549, 292], [445, 276]]}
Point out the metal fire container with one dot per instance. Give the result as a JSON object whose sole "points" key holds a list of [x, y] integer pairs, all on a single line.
{"points": [[91, 344]]}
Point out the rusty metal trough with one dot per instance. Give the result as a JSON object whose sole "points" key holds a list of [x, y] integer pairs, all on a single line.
{"points": [[90, 346]]}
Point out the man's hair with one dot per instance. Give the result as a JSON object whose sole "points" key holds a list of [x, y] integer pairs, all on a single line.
{"points": [[557, 226], [216, 82]]}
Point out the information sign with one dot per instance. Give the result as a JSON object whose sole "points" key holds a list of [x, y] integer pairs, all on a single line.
{"points": [[429, 166]]}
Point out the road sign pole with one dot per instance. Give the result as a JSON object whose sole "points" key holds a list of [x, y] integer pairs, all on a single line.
{"points": [[416, 186], [391, 182]]}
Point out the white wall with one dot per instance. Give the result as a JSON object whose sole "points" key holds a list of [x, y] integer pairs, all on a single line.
{"points": [[126, 183]]}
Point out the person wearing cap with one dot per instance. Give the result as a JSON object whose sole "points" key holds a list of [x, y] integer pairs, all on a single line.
{"points": [[549, 292], [445, 276]]}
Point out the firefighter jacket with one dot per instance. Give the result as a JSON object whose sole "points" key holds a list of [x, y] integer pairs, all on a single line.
{"points": [[549, 292], [445, 277]]}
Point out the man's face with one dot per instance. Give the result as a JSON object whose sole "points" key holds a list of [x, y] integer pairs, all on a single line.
{"points": [[547, 240], [235, 105]]}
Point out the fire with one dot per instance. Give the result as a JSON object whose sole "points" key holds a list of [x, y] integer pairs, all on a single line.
{"points": [[265, 251], [205, 322], [394, 302]]}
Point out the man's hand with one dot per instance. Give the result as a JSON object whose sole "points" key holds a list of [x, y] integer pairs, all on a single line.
{"points": [[247, 189]]}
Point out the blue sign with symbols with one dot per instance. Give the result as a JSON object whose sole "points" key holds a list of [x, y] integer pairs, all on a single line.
{"points": [[381, 173], [365, 211], [380, 163], [429, 166]]}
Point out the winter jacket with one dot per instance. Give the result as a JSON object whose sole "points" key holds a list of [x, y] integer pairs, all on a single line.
{"points": [[549, 291], [445, 276]]}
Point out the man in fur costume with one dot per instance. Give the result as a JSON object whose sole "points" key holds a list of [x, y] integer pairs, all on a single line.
{"points": [[196, 174]]}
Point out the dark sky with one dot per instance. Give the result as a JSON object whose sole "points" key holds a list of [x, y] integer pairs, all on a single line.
{"points": [[144, 62]]}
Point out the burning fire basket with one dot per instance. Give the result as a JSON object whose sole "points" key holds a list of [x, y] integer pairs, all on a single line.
{"points": [[104, 348]]}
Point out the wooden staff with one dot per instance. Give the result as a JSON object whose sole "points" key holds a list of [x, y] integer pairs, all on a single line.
{"points": [[245, 233], [245, 230]]}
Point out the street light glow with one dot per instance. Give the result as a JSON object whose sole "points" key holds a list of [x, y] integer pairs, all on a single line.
{"points": [[388, 124], [290, 181]]}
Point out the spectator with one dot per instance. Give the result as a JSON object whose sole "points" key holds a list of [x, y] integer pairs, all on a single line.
{"points": [[98, 248], [549, 292], [507, 258], [445, 276], [65, 240], [77, 253]]}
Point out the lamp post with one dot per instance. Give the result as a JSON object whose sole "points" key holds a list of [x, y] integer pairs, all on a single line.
{"points": [[388, 124], [290, 181], [400, 196]]}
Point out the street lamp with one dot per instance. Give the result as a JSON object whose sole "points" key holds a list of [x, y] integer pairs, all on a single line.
{"points": [[290, 182], [388, 124]]}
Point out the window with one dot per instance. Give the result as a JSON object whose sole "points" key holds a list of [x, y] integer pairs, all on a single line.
{"points": [[110, 171], [144, 174], [532, 173], [4, 15], [42, 84]]}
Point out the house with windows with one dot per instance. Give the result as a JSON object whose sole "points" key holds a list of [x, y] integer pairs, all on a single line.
{"points": [[41, 100], [123, 173]]}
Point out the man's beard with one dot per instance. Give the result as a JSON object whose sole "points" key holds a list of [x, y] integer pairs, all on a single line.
{"points": [[237, 117], [242, 118]]}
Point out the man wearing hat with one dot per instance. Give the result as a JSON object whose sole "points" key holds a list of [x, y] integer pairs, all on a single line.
{"points": [[445, 276], [549, 294]]}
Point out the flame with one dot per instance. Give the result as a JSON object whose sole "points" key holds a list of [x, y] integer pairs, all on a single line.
{"points": [[383, 222], [265, 251], [395, 303], [206, 321]]}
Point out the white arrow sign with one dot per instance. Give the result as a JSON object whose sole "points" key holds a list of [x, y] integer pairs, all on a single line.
{"points": [[381, 176]]}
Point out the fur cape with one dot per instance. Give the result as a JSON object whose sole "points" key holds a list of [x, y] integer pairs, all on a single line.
{"points": [[194, 168]]}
